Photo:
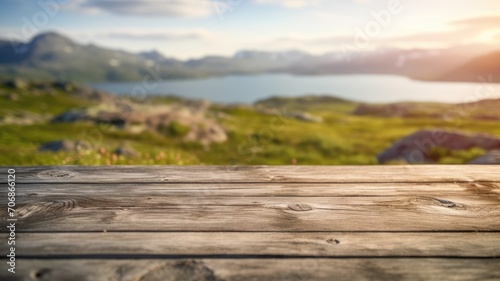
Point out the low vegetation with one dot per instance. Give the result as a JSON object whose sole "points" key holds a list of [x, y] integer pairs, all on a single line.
{"points": [[265, 133]]}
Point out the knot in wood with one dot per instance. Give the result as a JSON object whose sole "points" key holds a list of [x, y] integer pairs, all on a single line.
{"points": [[333, 241], [58, 174], [449, 204], [299, 207]]}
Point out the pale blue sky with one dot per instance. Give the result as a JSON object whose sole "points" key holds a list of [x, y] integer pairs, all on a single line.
{"points": [[194, 28]]}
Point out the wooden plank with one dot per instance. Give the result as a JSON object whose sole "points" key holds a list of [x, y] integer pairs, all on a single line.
{"points": [[201, 213], [264, 206], [486, 191], [158, 174], [192, 244], [362, 269]]}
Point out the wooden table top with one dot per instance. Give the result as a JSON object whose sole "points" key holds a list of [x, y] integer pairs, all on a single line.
{"points": [[286, 223]]}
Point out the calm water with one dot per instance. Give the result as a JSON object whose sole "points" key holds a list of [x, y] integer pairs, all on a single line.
{"points": [[366, 88]]}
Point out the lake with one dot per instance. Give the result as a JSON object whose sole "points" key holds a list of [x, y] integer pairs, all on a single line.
{"points": [[365, 88]]}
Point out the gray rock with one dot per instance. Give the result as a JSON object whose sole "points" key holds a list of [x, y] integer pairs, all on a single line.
{"points": [[64, 145], [305, 116], [65, 86], [385, 110], [298, 115], [206, 133], [17, 83], [13, 97], [490, 158], [126, 151], [70, 116], [415, 148], [201, 105]]}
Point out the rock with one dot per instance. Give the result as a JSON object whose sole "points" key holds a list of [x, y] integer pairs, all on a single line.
{"points": [[490, 158], [306, 117], [201, 105], [22, 118], [126, 151], [42, 87], [64, 145], [198, 121], [416, 147], [82, 91], [18, 84], [65, 86], [91, 94], [13, 97], [206, 133], [70, 116], [386, 110], [298, 115]]}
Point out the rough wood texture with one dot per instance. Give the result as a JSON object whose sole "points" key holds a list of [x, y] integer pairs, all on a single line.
{"points": [[302, 174], [339, 269], [269, 244], [169, 213], [256, 223]]}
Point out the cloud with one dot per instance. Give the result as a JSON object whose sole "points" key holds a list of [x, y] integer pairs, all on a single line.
{"points": [[160, 8], [291, 3], [317, 40], [161, 35], [469, 31], [490, 21]]}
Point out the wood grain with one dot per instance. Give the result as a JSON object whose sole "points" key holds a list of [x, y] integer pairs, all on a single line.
{"points": [[290, 223], [490, 191], [190, 174], [334, 207], [362, 269], [251, 244]]}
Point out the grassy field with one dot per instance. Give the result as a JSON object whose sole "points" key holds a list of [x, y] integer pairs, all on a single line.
{"points": [[254, 137]]}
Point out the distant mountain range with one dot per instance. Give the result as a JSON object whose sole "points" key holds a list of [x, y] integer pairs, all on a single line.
{"points": [[483, 68], [50, 56]]}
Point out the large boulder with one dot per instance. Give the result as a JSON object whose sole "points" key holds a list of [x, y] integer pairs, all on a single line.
{"points": [[195, 117], [206, 133], [416, 147], [490, 158]]}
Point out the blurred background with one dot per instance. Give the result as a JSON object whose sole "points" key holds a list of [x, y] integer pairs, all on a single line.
{"points": [[248, 82]]}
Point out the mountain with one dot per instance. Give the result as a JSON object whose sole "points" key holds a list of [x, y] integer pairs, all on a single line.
{"points": [[50, 56], [418, 64], [486, 66], [53, 56]]}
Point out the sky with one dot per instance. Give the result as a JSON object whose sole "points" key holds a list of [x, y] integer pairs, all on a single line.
{"points": [[195, 28]]}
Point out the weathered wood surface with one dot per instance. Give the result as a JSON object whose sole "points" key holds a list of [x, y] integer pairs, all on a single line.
{"points": [[338, 269], [269, 244], [199, 213], [302, 174], [256, 223]]}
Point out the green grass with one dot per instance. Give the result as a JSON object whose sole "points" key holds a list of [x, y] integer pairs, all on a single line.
{"points": [[254, 137], [25, 101], [174, 129]]}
